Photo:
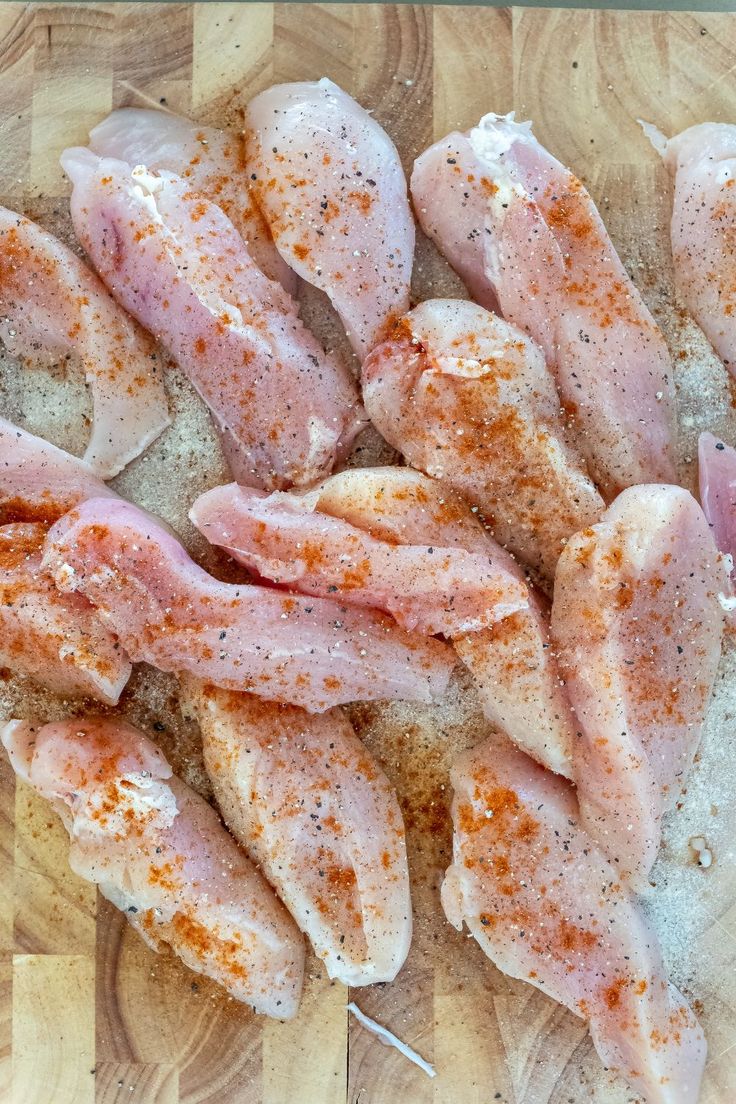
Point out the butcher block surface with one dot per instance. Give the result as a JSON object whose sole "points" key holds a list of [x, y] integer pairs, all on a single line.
{"points": [[87, 1012]]}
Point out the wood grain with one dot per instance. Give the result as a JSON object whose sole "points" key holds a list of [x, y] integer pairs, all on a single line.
{"points": [[87, 1012]]}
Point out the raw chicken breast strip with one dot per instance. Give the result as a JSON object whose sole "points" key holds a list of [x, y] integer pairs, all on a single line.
{"points": [[211, 161], [717, 475], [317, 814], [56, 639], [526, 234], [285, 538], [378, 514], [702, 161], [160, 854], [548, 907], [168, 612], [53, 308], [467, 398], [284, 409], [638, 625], [38, 481], [330, 183]]}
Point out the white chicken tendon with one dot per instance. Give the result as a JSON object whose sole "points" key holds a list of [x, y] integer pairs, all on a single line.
{"points": [[159, 853], [315, 811], [638, 624], [547, 906], [396, 540]]}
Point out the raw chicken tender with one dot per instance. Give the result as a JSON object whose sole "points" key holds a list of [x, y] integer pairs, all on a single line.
{"points": [[159, 852], [211, 161], [548, 907], [468, 399], [56, 639], [52, 308], [526, 234], [717, 474], [38, 481], [430, 589], [330, 183], [317, 814], [638, 625], [284, 409], [385, 512], [702, 160], [168, 612]]}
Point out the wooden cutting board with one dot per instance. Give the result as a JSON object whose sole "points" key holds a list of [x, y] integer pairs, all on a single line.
{"points": [[87, 1012]]}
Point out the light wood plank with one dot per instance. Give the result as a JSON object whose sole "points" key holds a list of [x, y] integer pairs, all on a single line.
{"points": [[72, 86], [53, 1029], [232, 52], [121, 1083], [484, 80], [6, 1025], [7, 855], [152, 56], [54, 909], [16, 90], [306, 1059]]}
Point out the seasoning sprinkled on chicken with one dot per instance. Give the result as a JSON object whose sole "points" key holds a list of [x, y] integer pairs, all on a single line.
{"points": [[548, 907], [167, 611], [285, 410], [56, 639], [702, 161], [469, 400], [330, 183], [397, 540], [638, 623], [211, 161], [314, 810], [525, 234], [160, 854], [52, 309], [717, 477], [430, 589]]}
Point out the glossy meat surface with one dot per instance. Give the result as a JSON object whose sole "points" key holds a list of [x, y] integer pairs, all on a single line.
{"points": [[548, 907], [638, 624], [717, 477], [702, 161], [53, 308], [538, 244], [330, 184], [56, 639], [387, 511], [212, 161], [317, 814], [38, 481], [159, 852], [168, 612], [284, 409], [469, 400], [426, 588]]}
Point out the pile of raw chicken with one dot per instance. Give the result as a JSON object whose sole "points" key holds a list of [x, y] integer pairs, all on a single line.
{"points": [[536, 534]]}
